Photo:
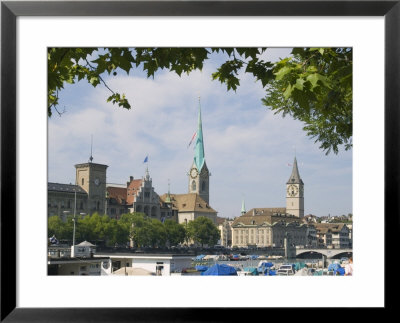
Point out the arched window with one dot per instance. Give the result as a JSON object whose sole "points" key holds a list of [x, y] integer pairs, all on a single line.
{"points": [[193, 185], [203, 185], [83, 181]]}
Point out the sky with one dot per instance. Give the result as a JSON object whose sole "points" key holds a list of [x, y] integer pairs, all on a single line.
{"points": [[248, 149]]}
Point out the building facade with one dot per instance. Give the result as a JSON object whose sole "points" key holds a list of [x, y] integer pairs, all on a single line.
{"points": [[138, 196], [334, 235], [267, 227], [225, 228], [189, 207], [87, 196]]}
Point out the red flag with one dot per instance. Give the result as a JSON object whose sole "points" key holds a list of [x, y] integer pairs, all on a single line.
{"points": [[194, 135]]}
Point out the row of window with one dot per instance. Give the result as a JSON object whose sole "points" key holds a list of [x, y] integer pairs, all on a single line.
{"points": [[69, 204]]}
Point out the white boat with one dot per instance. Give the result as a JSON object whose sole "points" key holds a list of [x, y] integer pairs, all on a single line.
{"points": [[285, 270]]}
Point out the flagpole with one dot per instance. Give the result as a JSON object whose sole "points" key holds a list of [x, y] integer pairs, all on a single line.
{"points": [[73, 234]]}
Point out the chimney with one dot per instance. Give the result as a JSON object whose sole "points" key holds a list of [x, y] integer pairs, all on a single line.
{"points": [[254, 212], [131, 178]]}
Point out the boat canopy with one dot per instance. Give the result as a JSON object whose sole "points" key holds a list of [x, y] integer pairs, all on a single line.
{"points": [[220, 270], [333, 267], [251, 270]]}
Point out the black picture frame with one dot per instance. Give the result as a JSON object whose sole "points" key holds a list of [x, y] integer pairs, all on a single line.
{"points": [[10, 10]]}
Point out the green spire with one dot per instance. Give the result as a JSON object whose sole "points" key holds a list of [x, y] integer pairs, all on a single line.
{"points": [[199, 149], [243, 208]]}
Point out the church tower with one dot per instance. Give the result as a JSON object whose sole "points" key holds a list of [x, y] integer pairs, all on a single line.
{"points": [[295, 193], [199, 176], [92, 178]]}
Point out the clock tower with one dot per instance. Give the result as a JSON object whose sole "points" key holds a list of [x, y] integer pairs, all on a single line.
{"points": [[295, 193], [199, 175], [92, 178]]}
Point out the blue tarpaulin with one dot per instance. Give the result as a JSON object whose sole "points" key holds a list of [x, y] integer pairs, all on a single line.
{"points": [[340, 271], [201, 268], [253, 257], [220, 270], [333, 267], [270, 273], [264, 266]]}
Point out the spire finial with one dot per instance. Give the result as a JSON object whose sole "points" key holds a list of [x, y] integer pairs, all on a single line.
{"points": [[243, 211], [168, 198], [91, 148]]}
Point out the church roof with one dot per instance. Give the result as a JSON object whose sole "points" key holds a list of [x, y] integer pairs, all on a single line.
{"points": [[190, 202], [295, 176]]}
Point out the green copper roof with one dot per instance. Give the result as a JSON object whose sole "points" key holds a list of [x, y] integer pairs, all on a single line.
{"points": [[243, 208], [199, 148]]}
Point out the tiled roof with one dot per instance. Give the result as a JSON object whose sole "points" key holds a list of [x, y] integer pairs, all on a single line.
{"points": [[190, 202], [68, 188], [133, 189], [266, 211], [117, 193], [324, 227], [220, 220], [266, 215]]}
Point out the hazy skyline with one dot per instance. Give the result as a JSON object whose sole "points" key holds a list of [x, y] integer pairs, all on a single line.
{"points": [[248, 149]]}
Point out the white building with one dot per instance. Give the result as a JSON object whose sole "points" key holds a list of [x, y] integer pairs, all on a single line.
{"points": [[159, 264]]}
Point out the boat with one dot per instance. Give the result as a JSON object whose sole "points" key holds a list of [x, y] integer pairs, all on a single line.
{"points": [[285, 270]]}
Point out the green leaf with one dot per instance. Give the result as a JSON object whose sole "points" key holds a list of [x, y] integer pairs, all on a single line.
{"points": [[288, 92], [299, 84], [314, 78], [282, 72]]}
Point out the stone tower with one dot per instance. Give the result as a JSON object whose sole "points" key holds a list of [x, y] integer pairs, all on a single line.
{"points": [[295, 193], [92, 178], [199, 176]]}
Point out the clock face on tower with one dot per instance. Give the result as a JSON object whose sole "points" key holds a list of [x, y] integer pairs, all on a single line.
{"points": [[97, 182], [292, 190], [193, 173]]}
